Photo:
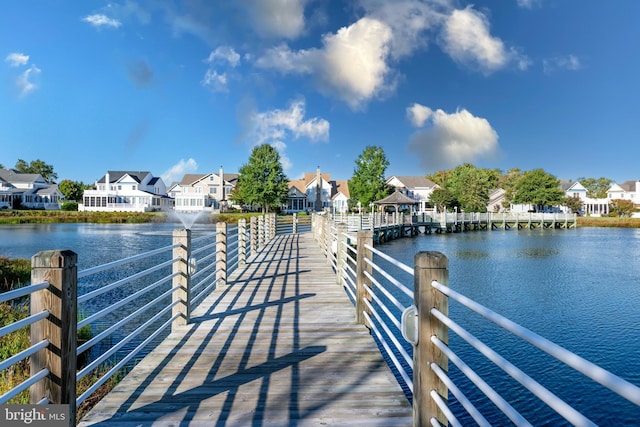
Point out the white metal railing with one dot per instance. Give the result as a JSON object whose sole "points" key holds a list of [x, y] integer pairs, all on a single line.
{"points": [[381, 277], [145, 286]]}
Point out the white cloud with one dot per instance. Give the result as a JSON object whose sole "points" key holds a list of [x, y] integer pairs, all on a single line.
{"points": [[177, 171], [467, 40], [25, 82], [352, 65], [224, 54], [566, 62], [275, 126], [17, 59], [99, 20], [528, 4], [277, 18], [409, 21], [214, 81], [418, 114], [453, 139]]}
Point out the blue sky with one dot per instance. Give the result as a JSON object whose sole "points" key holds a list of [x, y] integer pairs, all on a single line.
{"points": [[178, 87]]}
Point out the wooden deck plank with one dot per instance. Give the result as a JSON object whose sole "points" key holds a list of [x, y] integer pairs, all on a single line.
{"points": [[277, 347]]}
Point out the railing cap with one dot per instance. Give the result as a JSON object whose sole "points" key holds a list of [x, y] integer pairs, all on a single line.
{"points": [[431, 259], [54, 259]]}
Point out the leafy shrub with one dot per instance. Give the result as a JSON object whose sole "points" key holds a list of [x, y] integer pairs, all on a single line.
{"points": [[14, 273], [69, 206]]}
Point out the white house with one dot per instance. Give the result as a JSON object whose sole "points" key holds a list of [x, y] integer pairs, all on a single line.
{"points": [[418, 188], [317, 192], [198, 192], [590, 206], [628, 190], [29, 190], [127, 191]]}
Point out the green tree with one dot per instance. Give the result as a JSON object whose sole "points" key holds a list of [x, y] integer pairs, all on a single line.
{"points": [[538, 187], [621, 207], [596, 188], [38, 167], [573, 203], [368, 181], [471, 186], [72, 190], [439, 177], [443, 198], [261, 181], [508, 183]]}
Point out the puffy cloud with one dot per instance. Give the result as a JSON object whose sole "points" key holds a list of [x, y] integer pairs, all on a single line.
{"points": [[352, 65], [277, 18], [567, 62], [275, 126], [177, 171], [224, 54], [17, 59], [419, 114], [467, 40], [452, 139], [214, 81], [528, 4], [25, 82], [99, 20]]}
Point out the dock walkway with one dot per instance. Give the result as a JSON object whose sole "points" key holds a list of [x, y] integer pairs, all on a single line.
{"points": [[277, 347]]}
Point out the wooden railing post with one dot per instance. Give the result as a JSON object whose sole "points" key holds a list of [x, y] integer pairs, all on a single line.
{"points": [[294, 225], [253, 225], [221, 257], [242, 242], [429, 266], [340, 252], [365, 237], [60, 269], [260, 231], [182, 281]]}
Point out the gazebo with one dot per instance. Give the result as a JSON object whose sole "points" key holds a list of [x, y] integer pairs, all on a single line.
{"points": [[396, 200]]}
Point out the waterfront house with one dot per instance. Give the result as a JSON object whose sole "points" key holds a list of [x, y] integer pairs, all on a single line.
{"points": [[496, 200], [29, 190], [203, 192], [590, 206], [127, 191], [317, 192], [417, 188], [628, 190]]}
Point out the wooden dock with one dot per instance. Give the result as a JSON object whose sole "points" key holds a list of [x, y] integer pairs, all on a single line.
{"points": [[277, 347]]}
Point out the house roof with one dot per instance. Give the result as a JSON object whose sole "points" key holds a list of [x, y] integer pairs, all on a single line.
{"points": [[115, 176], [628, 186], [341, 187], [12, 175], [396, 198], [414, 181]]}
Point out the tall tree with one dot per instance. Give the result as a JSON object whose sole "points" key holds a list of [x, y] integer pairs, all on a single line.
{"points": [[596, 188], [442, 198], [471, 185], [538, 187], [72, 190], [621, 207], [368, 181], [261, 181], [508, 183], [38, 167]]}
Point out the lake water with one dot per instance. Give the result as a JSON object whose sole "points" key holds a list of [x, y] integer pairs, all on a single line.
{"points": [[579, 288]]}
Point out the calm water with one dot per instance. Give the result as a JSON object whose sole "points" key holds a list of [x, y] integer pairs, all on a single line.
{"points": [[579, 288]]}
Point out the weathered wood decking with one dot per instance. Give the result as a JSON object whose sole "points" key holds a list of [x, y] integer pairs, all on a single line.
{"points": [[277, 347]]}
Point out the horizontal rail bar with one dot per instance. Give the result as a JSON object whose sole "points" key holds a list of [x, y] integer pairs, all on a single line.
{"points": [[30, 320], [548, 397], [195, 252], [600, 375], [399, 285], [23, 291], [100, 314], [124, 361], [488, 391], [391, 260], [102, 335], [381, 288], [86, 297], [107, 266], [23, 386], [442, 405], [466, 403], [205, 237], [408, 359], [23, 354]]}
